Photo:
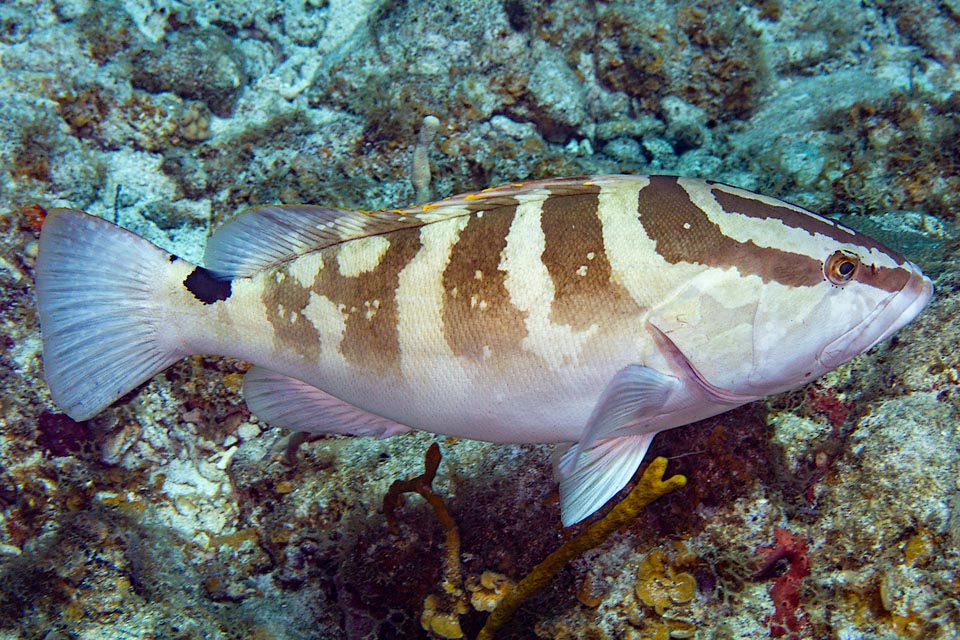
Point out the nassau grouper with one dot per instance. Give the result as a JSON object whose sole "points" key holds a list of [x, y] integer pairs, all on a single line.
{"points": [[596, 311]]}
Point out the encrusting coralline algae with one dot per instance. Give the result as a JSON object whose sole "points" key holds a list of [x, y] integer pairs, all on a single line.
{"points": [[174, 515]]}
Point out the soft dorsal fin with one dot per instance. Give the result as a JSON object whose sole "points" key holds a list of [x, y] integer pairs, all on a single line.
{"points": [[266, 236]]}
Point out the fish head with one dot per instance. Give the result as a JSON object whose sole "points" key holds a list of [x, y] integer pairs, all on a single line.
{"points": [[864, 297], [795, 296], [868, 305]]}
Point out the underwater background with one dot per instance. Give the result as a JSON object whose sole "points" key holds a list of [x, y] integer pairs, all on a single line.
{"points": [[829, 512]]}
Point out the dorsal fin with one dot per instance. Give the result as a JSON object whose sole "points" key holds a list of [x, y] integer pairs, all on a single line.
{"points": [[266, 236], [506, 195]]}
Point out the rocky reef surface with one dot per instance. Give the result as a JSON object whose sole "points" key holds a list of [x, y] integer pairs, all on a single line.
{"points": [[830, 512]]}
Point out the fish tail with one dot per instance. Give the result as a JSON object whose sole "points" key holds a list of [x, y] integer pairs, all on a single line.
{"points": [[105, 329]]}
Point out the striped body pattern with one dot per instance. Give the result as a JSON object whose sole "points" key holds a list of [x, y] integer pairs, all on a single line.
{"points": [[596, 311]]}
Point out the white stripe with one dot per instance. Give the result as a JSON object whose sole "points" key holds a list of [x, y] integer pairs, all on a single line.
{"points": [[425, 356], [330, 322], [531, 290], [772, 232], [634, 262], [306, 267]]}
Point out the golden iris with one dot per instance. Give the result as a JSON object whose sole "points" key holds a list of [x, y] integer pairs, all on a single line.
{"points": [[841, 267]]}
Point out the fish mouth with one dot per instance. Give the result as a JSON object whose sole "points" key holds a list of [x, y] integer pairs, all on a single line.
{"points": [[885, 320]]}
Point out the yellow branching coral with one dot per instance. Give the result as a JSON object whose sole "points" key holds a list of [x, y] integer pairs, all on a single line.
{"points": [[497, 593], [650, 487], [660, 586]]}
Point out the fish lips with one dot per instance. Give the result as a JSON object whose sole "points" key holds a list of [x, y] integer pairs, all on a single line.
{"points": [[889, 316]]}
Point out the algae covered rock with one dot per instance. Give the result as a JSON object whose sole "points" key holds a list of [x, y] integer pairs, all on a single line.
{"points": [[197, 64]]}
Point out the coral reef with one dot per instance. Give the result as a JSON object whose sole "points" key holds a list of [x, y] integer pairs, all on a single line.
{"points": [[495, 592], [197, 64], [488, 589], [660, 586], [420, 172]]}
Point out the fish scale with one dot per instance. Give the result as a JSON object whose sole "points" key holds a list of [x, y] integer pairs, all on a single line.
{"points": [[593, 311]]}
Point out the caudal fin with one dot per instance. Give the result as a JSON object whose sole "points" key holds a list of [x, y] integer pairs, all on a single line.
{"points": [[101, 320]]}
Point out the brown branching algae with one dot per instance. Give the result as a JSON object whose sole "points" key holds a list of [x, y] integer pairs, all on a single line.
{"points": [[441, 611]]}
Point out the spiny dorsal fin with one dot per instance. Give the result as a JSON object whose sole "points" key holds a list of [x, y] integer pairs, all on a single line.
{"points": [[266, 236], [504, 195]]}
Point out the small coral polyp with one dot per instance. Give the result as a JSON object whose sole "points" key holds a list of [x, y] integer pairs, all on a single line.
{"points": [[488, 589], [440, 622], [660, 586]]}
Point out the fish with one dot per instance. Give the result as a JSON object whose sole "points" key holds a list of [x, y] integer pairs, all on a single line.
{"points": [[592, 312]]}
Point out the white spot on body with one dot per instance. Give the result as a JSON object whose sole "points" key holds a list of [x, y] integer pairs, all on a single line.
{"points": [[361, 255], [371, 309], [330, 321], [305, 268], [582, 270]]}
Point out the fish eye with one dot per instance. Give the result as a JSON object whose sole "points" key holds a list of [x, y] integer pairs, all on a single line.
{"points": [[841, 267]]}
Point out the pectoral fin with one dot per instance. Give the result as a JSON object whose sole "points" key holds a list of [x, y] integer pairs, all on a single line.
{"points": [[290, 403], [614, 441]]}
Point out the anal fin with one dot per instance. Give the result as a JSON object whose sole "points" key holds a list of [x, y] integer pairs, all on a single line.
{"points": [[286, 402]]}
